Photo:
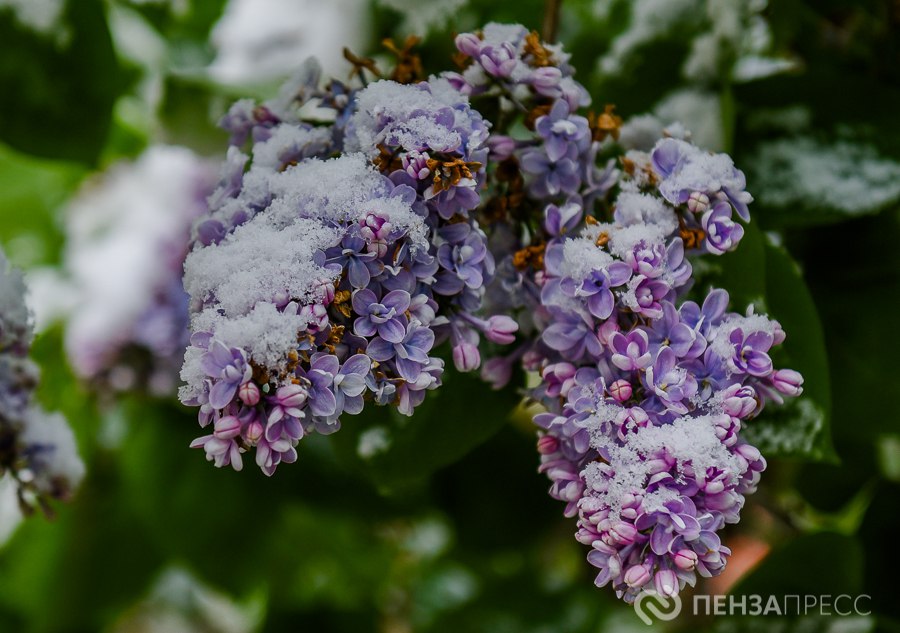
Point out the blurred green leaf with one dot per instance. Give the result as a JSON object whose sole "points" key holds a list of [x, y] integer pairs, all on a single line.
{"points": [[741, 272], [801, 427], [813, 564], [33, 189], [78, 572], [59, 89], [395, 451]]}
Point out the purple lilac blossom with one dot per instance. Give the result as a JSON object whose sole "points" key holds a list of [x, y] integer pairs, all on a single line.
{"points": [[645, 392], [318, 285]]}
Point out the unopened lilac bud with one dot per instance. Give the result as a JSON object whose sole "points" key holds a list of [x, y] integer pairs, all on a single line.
{"points": [[501, 147], [698, 202], [497, 372], [788, 382], [466, 356], [666, 583], [416, 164], [317, 315], [291, 396], [253, 432], [249, 394], [281, 298], [227, 428], [686, 559], [324, 291], [637, 576], [622, 533], [620, 390], [468, 44], [459, 83], [546, 80], [605, 331], [501, 329], [531, 360], [547, 445]]}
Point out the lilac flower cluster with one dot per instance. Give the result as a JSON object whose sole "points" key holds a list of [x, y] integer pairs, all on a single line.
{"points": [[37, 449], [317, 284], [645, 392]]}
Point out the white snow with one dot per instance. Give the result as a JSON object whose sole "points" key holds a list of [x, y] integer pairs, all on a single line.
{"points": [[61, 459], [373, 441], [421, 16], [258, 261], [845, 176], [582, 256], [263, 41], [690, 441]]}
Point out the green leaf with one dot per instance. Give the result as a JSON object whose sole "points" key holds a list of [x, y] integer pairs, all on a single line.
{"points": [[77, 572], [59, 89], [32, 191], [800, 428], [741, 272], [823, 563], [395, 451]]}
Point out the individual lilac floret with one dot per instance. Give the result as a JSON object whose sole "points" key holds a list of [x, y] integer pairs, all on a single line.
{"points": [[562, 131], [722, 234], [385, 318], [229, 370], [410, 353]]}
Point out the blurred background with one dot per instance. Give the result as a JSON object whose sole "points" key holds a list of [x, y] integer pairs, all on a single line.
{"points": [[108, 146]]}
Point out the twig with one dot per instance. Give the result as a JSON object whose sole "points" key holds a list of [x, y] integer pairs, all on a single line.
{"points": [[551, 20]]}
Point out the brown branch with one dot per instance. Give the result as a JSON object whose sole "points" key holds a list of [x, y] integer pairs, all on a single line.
{"points": [[551, 20]]}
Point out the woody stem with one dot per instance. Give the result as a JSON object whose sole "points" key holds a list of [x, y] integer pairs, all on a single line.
{"points": [[551, 20]]}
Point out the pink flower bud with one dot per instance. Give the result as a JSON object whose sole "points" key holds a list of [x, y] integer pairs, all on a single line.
{"points": [[547, 445], [620, 390], [468, 44], [686, 559], [637, 576], [497, 371], [501, 329], [666, 583], [605, 331], [466, 356], [622, 533], [546, 80], [501, 147], [788, 382], [249, 394], [227, 428], [698, 202], [253, 433]]}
